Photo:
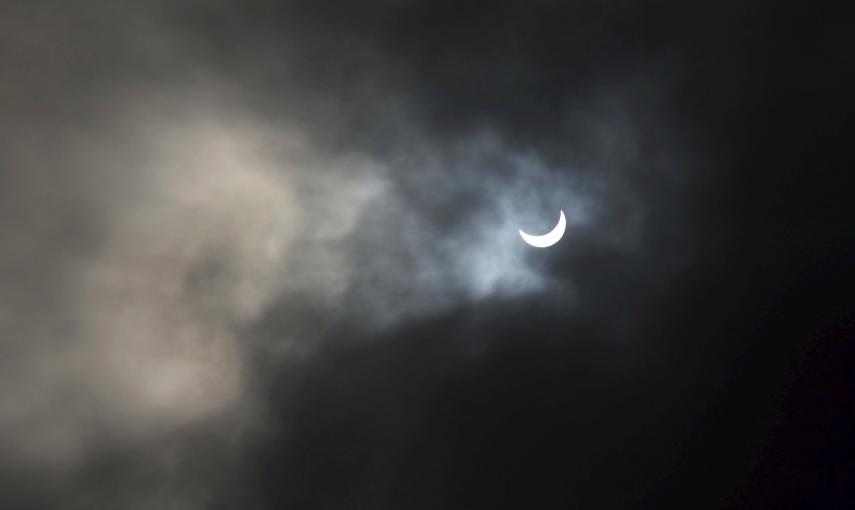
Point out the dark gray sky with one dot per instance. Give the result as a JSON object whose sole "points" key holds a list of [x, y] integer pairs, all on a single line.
{"points": [[265, 255]]}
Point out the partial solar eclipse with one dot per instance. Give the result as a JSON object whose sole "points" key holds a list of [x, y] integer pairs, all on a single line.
{"points": [[548, 239]]}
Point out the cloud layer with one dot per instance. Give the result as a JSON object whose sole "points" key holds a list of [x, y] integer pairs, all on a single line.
{"points": [[263, 253]]}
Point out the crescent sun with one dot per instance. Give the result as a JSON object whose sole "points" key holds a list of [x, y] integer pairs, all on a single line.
{"points": [[548, 239]]}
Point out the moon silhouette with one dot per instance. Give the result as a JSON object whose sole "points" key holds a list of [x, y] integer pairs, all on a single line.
{"points": [[548, 239]]}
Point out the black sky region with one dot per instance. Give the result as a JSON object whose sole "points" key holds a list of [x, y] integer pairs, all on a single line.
{"points": [[263, 255]]}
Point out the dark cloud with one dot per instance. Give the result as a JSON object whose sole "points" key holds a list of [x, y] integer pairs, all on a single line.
{"points": [[263, 254]]}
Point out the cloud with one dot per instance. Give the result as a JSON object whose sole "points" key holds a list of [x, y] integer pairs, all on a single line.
{"points": [[256, 252]]}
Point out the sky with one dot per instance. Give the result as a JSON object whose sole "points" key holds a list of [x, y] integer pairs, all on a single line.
{"points": [[265, 255]]}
